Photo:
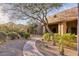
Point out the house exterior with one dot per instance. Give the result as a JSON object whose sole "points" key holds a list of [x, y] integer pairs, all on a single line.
{"points": [[64, 22]]}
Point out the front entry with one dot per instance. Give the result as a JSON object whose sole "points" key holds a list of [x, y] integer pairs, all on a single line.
{"points": [[54, 28]]}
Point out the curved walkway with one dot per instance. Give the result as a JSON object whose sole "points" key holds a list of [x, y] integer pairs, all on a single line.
{"points": [[30, 49], [34, 47]]}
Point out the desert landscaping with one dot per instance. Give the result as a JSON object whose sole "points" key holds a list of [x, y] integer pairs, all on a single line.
{"points": [[42, 34]]}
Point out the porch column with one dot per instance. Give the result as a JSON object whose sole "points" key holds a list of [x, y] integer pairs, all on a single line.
{"points": [[62, 28], [44, 30]]}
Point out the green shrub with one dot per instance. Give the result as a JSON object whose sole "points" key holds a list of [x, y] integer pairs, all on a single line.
{"points": [[70, 40], [67, 39], [21, 34], [24, 34], [48, 37], [13, 35], [72, 45], [57, 37], [3, 36]]}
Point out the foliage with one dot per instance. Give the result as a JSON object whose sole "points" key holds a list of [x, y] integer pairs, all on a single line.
{"points": [[3, 36], [70, 40], [12, 27], [34, 11], [57, 37], [21, 33], [13, 35], [67, 39], [32, 27], [24, 34], [47, 37]]}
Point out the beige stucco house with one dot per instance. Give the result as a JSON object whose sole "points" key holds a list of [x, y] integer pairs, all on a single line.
{"points": [[64, 22]]}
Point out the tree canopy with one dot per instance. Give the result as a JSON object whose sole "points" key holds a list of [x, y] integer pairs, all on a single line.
{"points": [[34, 11]]}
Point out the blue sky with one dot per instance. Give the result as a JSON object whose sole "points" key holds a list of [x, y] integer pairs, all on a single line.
{"points": [[64, 7], [4, 19]]}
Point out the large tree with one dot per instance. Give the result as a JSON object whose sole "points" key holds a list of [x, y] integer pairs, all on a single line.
{"points": [[32, 26], [34, 11]]}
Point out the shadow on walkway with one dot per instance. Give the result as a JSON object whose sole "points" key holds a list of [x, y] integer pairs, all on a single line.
{"points": [[47, 51]]}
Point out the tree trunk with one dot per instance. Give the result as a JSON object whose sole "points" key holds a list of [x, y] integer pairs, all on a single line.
{"points": [[48, 29]]}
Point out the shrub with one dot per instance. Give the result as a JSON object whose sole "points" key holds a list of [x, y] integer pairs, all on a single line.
{"points": [[60, 42], [67, 39], [57, 37], [47, 37], [24, 34], [3, 36], [13, 35], [70, 40], [21, 34]]}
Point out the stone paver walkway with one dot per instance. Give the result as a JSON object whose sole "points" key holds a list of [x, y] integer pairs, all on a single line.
{"points": [[30, 49]]}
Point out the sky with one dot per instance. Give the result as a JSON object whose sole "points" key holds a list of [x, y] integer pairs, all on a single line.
{"points": [[4, 17], [64, 7]]}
